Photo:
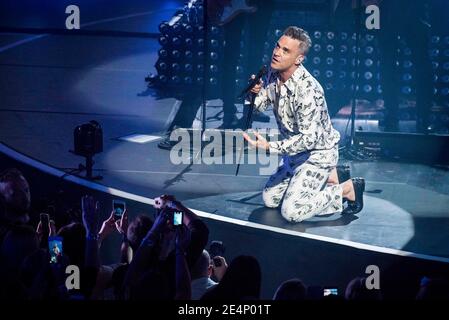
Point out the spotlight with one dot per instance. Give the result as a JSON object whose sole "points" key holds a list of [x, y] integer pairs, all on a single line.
{"points": [[188, 80], [163, 79], [317, 47], [330, 48], [239, 69], [188, 29], [367, 88], [213, 81], [434, 53], [188, 54], [213, 55], [435, 65], [163, 53], [214, 30], [368, 75], [330, 35], [162, 66], [176, 54], [175, 79], [407, 64], [88, 141], [317, 35], [188, 42], [178, 28], [163, 40], [213, 68], [199, 80], [343, 36], [435, 39], [200, 68], [316, 60], [188, 67], [175, 66], [369, 62], [406, 90], [316, 73], [407, 77], [369, 50], [214, 43], [329, 74], [330, 60], [164, 28]]}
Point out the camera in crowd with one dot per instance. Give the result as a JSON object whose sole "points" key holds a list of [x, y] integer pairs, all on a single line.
{"points": [[167, 207]]}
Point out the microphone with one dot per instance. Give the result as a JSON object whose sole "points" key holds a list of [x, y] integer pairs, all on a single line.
{"points": [[262, 72]]}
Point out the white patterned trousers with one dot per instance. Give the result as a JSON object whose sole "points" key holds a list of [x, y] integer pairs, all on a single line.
{"points": [[300, 184]]}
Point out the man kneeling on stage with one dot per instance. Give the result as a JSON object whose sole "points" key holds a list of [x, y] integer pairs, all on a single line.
{"points": [[306, 183]]}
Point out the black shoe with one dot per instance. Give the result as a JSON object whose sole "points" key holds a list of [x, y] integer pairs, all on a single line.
{"points": [[260, 117], [356, 206], [344, 173], [166, 144], [235, 123]]}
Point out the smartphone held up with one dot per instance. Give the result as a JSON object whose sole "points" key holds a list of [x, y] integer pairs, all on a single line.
{"points": [[55, 249], [118, 208]]}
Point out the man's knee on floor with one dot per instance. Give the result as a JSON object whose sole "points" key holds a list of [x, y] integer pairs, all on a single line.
{"points": [[294, 212]]}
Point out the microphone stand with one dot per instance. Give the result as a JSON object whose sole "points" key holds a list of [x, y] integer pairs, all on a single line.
{"points": [[350, 149], [247, 124]]}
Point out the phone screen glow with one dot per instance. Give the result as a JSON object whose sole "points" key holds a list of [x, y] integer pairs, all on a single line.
{"points": [[177, 218]]}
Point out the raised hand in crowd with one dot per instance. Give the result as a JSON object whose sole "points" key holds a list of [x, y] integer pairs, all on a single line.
{"points": [[219, 267], [90, 214], [107, 228], [47, 231], [122, 224], [183, 279], [91, 222]]}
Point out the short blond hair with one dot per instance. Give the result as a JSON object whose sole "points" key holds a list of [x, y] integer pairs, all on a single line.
{"points": [[305, 42]]}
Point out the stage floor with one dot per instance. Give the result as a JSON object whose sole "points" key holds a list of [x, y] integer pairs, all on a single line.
{"points": [[51, 84]]}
